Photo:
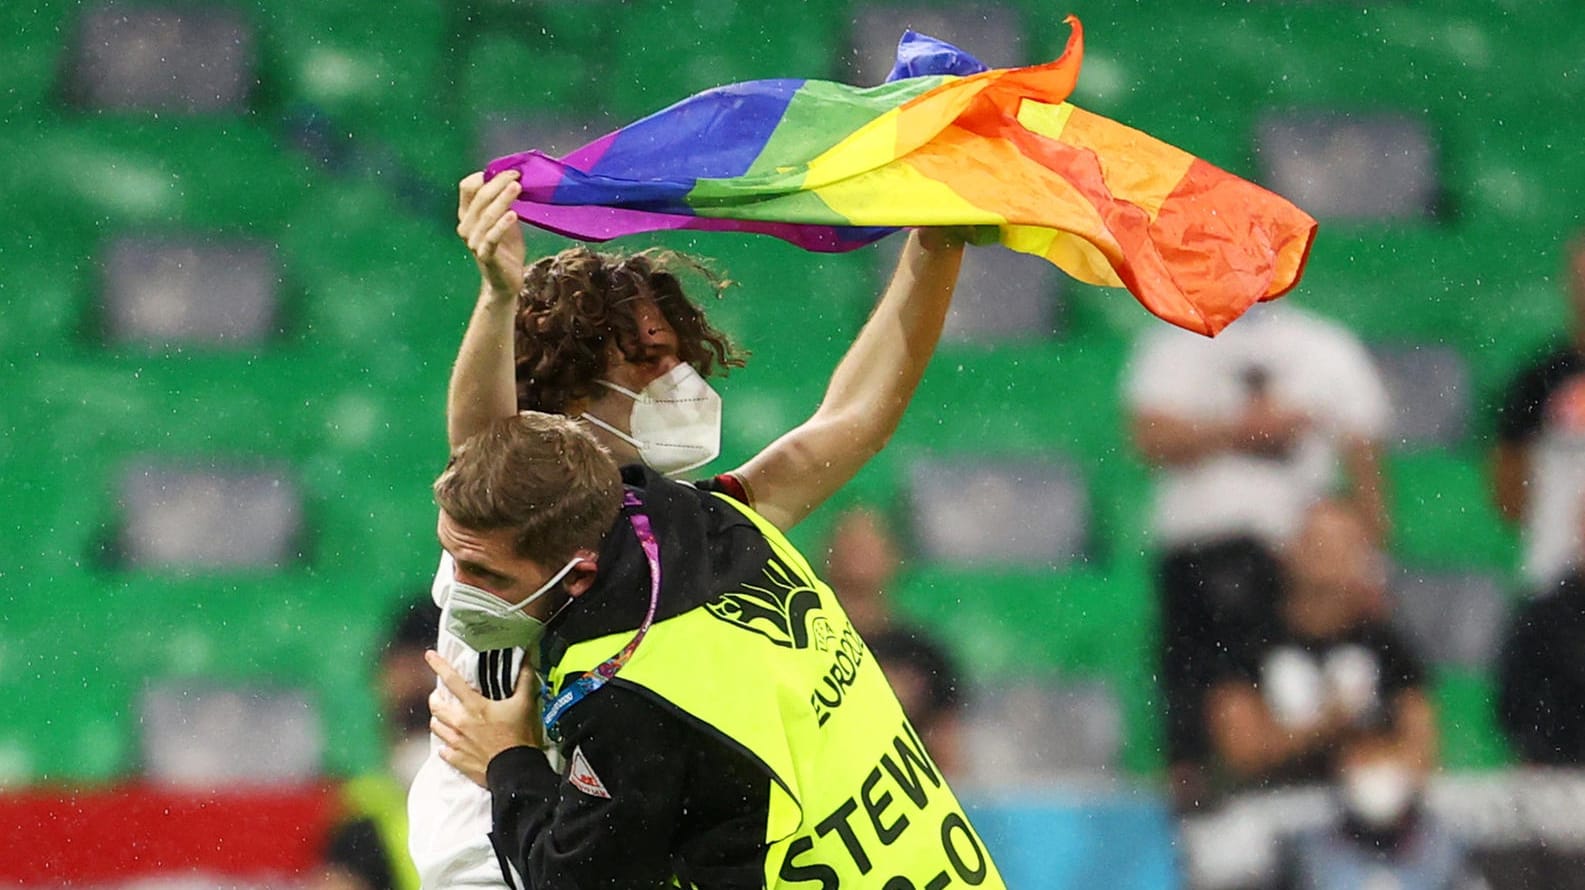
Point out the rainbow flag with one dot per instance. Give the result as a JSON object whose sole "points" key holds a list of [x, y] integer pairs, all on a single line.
{"points": [[945, 141]]}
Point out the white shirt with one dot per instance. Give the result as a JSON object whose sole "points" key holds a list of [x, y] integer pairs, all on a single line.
{"points": [[1555, 509], [448, 816], [1309, 364]]}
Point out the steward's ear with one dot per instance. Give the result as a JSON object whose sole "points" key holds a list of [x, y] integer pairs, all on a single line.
{"points": [[583, 573]]}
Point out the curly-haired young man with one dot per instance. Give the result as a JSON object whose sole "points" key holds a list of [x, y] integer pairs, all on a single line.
{"points": [[613, 341]]}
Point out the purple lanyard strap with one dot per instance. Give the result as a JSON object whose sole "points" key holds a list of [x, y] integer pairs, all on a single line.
{"points": [[589, 681]]}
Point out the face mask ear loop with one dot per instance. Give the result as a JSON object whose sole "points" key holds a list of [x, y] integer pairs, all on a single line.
{"points": [[610, 429], [546, 587], [617, 387], [683, 370]]}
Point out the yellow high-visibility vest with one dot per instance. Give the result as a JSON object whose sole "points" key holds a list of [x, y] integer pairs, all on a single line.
{"points": [[383, 801], [778, 669]]}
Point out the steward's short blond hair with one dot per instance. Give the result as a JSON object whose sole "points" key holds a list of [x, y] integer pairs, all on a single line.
{"points": [[539, 475]]}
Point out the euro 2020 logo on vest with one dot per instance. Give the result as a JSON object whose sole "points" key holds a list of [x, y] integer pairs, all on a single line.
{"points": [[779, 610]]}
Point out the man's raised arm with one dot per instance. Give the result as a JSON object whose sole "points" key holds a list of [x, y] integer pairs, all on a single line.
{"points": [[484, 380], [869, 391]]}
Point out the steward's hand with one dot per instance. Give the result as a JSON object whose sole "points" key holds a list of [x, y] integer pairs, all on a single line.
{"points": [[485, 221], [473, 728]]}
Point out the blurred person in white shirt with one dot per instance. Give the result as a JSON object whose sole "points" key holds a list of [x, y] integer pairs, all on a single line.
{"points": [[1245, 431]]}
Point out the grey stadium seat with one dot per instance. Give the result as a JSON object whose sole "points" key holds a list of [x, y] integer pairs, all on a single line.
{"points": [[1453, 618], [1350, 165], [991, 32], [207, 516], [1002, 296], [1007, 511], [198, 289], [177, 57], [197, 734], [1429, 386], [501, 134], [1041, 731]]}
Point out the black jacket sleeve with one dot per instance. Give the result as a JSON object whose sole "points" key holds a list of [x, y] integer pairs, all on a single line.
{"points": [[611, 822]]}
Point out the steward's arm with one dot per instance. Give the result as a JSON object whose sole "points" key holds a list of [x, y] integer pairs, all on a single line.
{"points": [[611, 821]]}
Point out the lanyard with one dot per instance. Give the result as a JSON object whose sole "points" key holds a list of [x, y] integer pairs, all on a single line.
{"points": [[589, 681]]}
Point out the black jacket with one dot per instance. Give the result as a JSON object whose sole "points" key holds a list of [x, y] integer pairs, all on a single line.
{"points": [[650, 793]]}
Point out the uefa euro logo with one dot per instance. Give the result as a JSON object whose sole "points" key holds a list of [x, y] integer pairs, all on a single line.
{"points": [[778, 610]]}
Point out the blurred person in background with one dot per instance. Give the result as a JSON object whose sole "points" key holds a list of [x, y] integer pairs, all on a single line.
{"points": [[1246, 432], [368, 849], [614, 341], [862, 559], [1334, 668], [1538, 464], [1383, 837]]}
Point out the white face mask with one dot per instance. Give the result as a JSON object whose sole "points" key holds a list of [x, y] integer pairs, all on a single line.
{"points": [[676, 421], [480, 619], [1379, 793]]}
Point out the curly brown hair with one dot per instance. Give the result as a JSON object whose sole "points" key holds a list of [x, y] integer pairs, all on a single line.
{"points": [[577, 302]]}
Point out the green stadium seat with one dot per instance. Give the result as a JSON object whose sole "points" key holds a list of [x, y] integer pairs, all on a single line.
{"points": [[383, 88], [662, 62], [30, 42], [566, 77], [1442, 513], [1084, 623], [90, 172], [1512, 346], [1024, 397], [92, 180], [1467, 722], [40, 283], [377, 283], [1067, 621], [76, 730]]}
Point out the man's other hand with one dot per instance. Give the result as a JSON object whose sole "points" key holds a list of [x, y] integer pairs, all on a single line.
{"points": [[486, 221], [472, 728]]}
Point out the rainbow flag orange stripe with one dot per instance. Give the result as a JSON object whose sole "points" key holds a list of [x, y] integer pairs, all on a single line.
{"points": [[945, 142]]}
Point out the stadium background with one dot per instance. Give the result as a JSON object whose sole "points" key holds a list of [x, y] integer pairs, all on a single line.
{"points": [[341, 162]]}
